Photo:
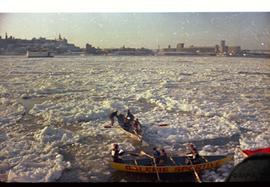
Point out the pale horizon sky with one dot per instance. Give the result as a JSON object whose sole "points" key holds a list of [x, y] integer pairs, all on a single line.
{"points": [[250, 30]]}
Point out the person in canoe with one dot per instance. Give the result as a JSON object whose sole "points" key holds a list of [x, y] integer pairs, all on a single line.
{"points": [[156, 155], [116, 152], [137, 126], [129, 117], [193, 154], [112, 115], [163, 156]]}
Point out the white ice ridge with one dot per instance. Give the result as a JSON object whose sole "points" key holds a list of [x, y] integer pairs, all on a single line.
{"points": [[56, 136], [30, 161], [35, 161], [183, 128], [10, 111], [200, 98]]}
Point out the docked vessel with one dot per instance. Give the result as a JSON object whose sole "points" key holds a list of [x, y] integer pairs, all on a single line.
{"points": [[38, 54]]}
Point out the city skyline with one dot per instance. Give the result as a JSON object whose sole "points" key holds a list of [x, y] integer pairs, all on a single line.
{"points": [[149, 30]]}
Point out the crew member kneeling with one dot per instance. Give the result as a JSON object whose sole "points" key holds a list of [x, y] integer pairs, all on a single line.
{"points": [[115, 153]]}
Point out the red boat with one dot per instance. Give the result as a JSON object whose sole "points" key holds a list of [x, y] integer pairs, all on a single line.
{"points": [[247, 152]]}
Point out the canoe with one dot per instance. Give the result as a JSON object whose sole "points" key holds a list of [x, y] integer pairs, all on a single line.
{"points": [[173, 165], [128, 129]]}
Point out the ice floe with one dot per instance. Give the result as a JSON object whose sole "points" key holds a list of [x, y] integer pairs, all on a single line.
{"points": [[201, 99]]}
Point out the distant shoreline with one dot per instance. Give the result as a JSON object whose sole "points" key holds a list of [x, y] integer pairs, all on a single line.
{"points": [[113, 55]]}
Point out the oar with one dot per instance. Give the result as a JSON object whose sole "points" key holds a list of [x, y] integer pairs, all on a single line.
{"points": [[141, 139], [143, 153], [163, 125], [195, 172], [108, 126], [133, 154], [242, 153], [204, 158]]}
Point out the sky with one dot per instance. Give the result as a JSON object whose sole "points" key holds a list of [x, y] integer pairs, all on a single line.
{"points": [[250, 30]]}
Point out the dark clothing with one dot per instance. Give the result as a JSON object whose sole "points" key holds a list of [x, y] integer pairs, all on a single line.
{"points": [[130, 116], [163, 157], [115, 155], [255, 168], [114, 114], [195, 156], [137, 126], [156, 155], [194, 152]]}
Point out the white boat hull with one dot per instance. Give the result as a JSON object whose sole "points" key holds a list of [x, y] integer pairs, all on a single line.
{"points": [[36, 54]]}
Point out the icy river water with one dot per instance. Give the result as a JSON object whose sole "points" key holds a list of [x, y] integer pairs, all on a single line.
{"points": [[53, 112]]}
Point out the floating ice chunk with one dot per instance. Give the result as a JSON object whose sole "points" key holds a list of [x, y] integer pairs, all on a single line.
{"points": [[57, 136], [3, 90], [33, 163], [209, 148], [186, 107], [3, 136], [255, 140]]}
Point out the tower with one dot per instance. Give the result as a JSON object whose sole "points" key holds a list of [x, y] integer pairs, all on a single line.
{"points": [[222, 46], [59, 37], [180, 46]]}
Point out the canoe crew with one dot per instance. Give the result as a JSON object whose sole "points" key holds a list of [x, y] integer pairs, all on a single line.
{"points": [[156, 155], [112, 115], [193, 155], [163, 156], [137, 126], [130, 117], [115, 153]]}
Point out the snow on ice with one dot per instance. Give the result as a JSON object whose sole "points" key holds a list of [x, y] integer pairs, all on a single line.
{"points": [[202, 99]]}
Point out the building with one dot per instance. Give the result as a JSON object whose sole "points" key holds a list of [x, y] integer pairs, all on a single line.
{"points": [[223, 47], [233, 50], [11, 45], [179, 46], [126, 51], [192, 50]]}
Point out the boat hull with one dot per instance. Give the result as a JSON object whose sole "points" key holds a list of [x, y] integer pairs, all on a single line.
{"points": [[39, 54], [128, 167], [127, 130]]}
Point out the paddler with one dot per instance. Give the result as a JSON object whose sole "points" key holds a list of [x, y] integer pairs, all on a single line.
{"points": [[115, 153], [137, 126], [156, 155], [163, 156], [130, 117], [112, 115], [193, 154]]}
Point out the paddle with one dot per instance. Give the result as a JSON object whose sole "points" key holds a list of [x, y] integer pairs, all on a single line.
{"points": [[204, 158], [172, 159], [195, 173], [133, 154], [108, 126], [140, 139], [163, 125], [143, 153]]}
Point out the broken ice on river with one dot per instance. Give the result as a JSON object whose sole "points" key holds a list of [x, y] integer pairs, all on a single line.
{"points": [[52, 111]]}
